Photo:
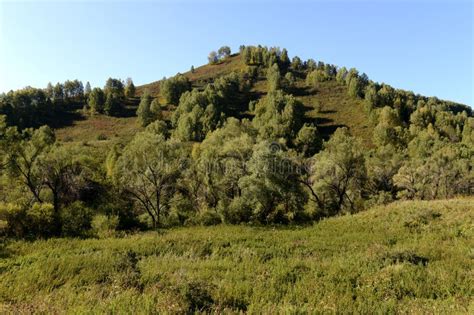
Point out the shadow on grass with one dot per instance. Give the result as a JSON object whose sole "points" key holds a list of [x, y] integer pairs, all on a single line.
{"points": [[327, 131], [64, 119], [304, 91], [328, 111]]}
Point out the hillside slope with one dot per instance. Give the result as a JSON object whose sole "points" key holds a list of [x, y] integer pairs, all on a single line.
{"points": [[328, 106], [408, 257]]}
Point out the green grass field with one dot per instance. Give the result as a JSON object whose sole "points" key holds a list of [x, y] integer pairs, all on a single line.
{"points": [[408, 257]]}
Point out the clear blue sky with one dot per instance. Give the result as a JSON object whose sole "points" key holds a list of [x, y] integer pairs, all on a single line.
{"points": [[424, 46]]}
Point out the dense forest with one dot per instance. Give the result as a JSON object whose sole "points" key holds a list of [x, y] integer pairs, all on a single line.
{"points": [[236, 146]]}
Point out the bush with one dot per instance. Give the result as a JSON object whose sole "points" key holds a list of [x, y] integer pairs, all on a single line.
{"points": [[28, 222], [102, 137], [206, 217], [182, 210], [236, 212], [76, 219], [105, 226], [198, 297]]}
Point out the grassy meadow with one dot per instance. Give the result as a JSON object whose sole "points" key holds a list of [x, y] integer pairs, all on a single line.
{"points": [[407, 257]]}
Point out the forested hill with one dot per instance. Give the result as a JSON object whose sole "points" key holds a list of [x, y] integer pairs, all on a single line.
{"points": [[330, 97], [327, 99], [327, 103], [287, 141]]}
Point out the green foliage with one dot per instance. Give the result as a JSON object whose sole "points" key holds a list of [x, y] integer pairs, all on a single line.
{"points": [[22, 157], [354, 87], [444, 172], [316, 76], [264, 56], [356, 83], [200, 112], [273, 78], [158, 127], [147, 170], [284, 59], [115, 88], [58, 92], [24, 221], [174, 87], [221, 160], [278, 115], [112, 105], [382, 165], [105, 226], [76, 219], [87, 90], [271, 189], [129, 88], [73, 89], [338, 174], [155, 109], [224, 52], [414, 147], [213, 58], [308, 140], [341, 75], [290, 80], [144, 109], [96, 100], [296, 63], [389, 130], [28, 107]]}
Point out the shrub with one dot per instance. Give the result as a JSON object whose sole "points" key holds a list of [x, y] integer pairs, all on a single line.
{"points": [[197, 296], [105, 226], [27, 222], [236, 212], [102, 137], [76, 219], [207, 217]]}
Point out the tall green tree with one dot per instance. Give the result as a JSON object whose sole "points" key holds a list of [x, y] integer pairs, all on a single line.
{"points": [[63, 174], [272, 188], [58, 92], [308, 140], [273, 78], [224, 52], [49, 90], [23, 157], [148, 170], [96, 100], [129, 88], [221, 162], [144, 109], [87, 90], [112, 104], [278, 115], [174, 87], [338, 174]]}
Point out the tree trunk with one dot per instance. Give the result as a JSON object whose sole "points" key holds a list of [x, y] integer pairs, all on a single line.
{"points": [[56, 215]]}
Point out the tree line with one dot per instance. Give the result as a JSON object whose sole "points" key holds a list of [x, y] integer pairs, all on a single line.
{"points": [[208, 165], [34, 107]]}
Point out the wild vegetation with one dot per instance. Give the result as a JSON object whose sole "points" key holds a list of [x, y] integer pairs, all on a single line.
{"points": [[242, 147], [254, 139], [379, 261]]}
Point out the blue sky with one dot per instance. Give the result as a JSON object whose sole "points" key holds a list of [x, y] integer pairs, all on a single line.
{"points": [[423, 46]]}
